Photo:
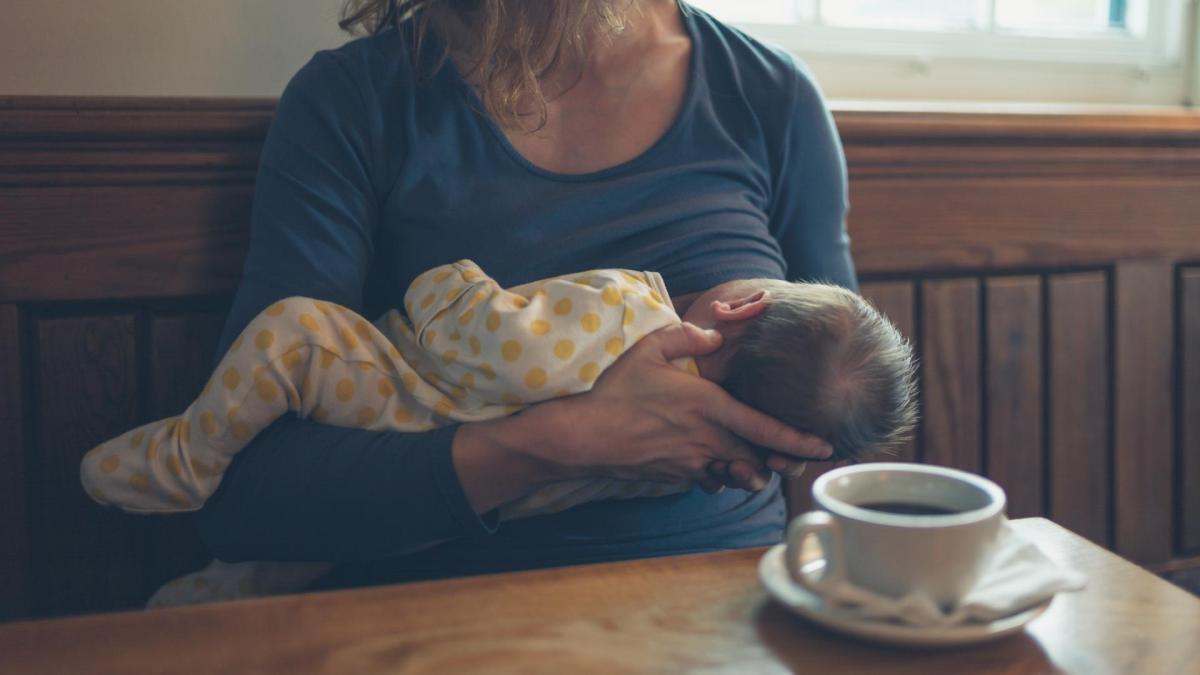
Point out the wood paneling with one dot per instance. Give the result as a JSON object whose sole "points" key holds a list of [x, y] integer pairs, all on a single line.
{"points": [[798, 492], [1047, 127], [978, 191], [968, 191], [950, 369], [16, 582], [897, 301], [1079, 455], [1014, 392], [1188, 485], [1142, 463], [100, 242], [182, 354], [99, 119], [142, 206], [182, 350], [1018, 222], [87, 389], [125, 198]]}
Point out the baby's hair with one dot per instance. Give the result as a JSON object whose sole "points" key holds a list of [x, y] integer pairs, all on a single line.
{"points": [[823, 360]]}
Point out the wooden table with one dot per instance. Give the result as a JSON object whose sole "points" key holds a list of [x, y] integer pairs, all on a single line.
{"points": [[702, 613]]}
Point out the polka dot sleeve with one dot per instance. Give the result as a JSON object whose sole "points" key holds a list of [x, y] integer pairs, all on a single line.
{"points": [[533, 342]]}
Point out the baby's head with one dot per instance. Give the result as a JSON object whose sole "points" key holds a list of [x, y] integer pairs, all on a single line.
{"points": [[815, 356]]}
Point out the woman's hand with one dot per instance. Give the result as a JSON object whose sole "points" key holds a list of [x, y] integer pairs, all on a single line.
{"points": [[643, 420], [647, 420]]}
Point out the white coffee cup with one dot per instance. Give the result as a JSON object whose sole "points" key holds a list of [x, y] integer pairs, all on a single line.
{"points": [[893, 553]]}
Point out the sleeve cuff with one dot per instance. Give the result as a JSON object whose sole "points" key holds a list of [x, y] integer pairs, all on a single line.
{"points": [[445, 479]]}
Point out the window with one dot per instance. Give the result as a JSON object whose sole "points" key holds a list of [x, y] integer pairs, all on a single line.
{"points": [[964, 14], [1109, 51]]}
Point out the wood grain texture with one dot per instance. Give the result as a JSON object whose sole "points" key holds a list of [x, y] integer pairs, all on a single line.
{"points": [[950, 370], [1188, 485], [182, 350], [972, 191], [1014, 392], [1062, 125], [897, 301], [142, 202], [1143, 465], [969, 191], [111, 119], [1079, 458], [16, 579], [702, 613], [798, 491], [113, 242], [1021, 221], [182, 356], [87, 389]]}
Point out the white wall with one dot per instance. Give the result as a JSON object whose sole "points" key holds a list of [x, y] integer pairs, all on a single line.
{"points": [[252, 47], [160, 47]]}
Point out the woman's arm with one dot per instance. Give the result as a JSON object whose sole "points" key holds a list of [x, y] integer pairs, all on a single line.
{"points": [[644, 419], [302, 490], [811, 200]]}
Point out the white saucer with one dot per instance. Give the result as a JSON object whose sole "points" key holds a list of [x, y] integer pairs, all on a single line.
{"points": [[774, 576]]}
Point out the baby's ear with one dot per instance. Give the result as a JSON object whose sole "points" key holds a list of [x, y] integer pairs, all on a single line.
{"points": [[742, 309]]}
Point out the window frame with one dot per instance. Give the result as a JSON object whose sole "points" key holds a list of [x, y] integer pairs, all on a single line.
{"points": [[1118, 67], [1159, 48]]}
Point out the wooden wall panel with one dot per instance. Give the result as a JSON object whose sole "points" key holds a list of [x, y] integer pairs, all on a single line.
{"points": [[177, 240], [967, 191], [86, 394], [181, 359], [798, 492], [1014, 392], [897, 301], [109, 119], [950, 370], [1188, 485], [1065, 129], [1078, 363], [1143, 439], [935, 195], [16, 581], [1008, 222], [182, 351]]}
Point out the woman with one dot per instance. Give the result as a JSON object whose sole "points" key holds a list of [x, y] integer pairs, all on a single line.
{"points": [[536, 139]]}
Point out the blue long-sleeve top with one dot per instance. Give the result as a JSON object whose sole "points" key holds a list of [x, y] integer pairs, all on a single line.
{"points": [[374, 171]]}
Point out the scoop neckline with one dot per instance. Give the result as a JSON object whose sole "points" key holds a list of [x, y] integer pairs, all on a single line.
{"points": [[673, 130]]}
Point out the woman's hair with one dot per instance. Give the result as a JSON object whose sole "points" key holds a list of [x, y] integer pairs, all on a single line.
{"points": [[508, 45]]}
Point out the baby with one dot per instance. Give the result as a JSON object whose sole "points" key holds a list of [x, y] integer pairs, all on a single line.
{"points": [[815, 356]]}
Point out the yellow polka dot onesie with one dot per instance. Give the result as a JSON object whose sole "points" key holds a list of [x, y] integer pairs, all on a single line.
{"points": [[467, 351]]}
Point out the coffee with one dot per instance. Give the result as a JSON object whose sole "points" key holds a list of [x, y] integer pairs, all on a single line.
{"points": [[908, 508], [872, 534]]}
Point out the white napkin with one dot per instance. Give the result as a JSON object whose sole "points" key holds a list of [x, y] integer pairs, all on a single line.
{"points": [[1018, 576]]}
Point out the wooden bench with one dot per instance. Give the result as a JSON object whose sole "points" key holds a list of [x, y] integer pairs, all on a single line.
{"points": [[1046, 266]]}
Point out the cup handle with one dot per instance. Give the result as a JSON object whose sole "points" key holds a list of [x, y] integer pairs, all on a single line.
{"points": [[829, 534]]}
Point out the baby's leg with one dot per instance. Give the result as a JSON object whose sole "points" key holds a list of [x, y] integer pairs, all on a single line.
{"points": [[176, 463], [299, 355]]}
